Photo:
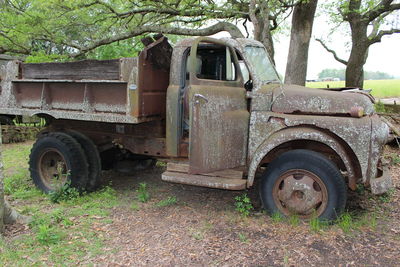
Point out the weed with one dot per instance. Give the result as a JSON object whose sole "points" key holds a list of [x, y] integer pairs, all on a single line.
{"points": [[286, 260], [143, 194], [243, 205], [316, 225], [380, 107], [161, 164], [348, 222], [17, 182], [345, 222], [64, 193], [243, 238], [395, 159], [135, 206], [58, 215], [294, 220], [360, 189], [277, 217], [387, 197], [47, 235], [167, 202], [196, 234]]}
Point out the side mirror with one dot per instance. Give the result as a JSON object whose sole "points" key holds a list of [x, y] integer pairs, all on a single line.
{"points": [[248, 85]]}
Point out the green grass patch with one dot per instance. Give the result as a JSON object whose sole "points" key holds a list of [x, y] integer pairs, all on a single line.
{"points": [[167, 202], [243, 238], [143, 194], [60, 234], [380, 88]]}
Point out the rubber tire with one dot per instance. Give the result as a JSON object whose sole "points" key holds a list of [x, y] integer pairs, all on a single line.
{"points": [[92, 157], [6, 120], [313, 162], [73, 154]]}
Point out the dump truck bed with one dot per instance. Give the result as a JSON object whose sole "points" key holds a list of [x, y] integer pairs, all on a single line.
{"points": [[126, 90]]}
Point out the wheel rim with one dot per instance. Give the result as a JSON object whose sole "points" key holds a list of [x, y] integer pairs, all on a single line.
{"points": [[300, 192], [53, 169]]}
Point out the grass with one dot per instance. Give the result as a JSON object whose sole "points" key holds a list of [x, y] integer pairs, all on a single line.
{"points": [[142, 193], [243, 238], [59, 234], [167, 202], [349, 222], [380, 88]]}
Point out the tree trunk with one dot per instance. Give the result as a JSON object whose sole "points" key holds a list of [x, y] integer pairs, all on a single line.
{"points": [[262, 27], [358, 55], [7, 214], [302, 23], [2, 202]]}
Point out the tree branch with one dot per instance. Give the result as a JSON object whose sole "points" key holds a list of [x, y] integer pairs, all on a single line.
{"points": [[332, 52], [218, 27], [215, 13], [382, 33], [22, 50], [382, 7]]}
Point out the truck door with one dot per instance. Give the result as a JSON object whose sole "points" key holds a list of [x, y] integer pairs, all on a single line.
{"points": [[218, 118]]}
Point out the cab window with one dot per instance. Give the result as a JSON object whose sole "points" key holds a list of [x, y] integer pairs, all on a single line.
{"points": [[215, 62]]}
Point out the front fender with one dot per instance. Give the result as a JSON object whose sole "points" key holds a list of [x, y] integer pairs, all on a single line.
{"points": [[299, 133]]}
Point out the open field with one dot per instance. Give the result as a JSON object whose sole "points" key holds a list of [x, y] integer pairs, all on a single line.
{"points": [[140, 220], [380, 88]]}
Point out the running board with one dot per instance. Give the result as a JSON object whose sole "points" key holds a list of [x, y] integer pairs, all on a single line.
{"points": [[184, 168], [204, 180]]}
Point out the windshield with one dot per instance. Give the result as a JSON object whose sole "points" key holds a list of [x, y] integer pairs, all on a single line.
{"points": [[262, 66]]}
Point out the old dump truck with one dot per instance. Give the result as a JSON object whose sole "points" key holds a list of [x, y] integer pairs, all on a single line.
{"points": [[215, 110]]}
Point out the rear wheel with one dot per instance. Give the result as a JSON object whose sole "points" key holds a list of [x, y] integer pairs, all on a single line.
{"points": [[57, 159], [92, 157], [303, 183]]}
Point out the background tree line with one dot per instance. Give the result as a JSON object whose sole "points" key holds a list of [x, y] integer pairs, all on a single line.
{"points": [[341, 74]]}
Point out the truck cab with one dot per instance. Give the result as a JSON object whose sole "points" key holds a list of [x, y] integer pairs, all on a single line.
{"points": [[217, 112]]}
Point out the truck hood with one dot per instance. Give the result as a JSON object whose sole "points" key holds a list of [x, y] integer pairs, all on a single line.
{"points": [[302, 100]]}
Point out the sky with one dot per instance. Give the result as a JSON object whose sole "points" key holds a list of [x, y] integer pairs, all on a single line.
{"points": [[383, 56]]}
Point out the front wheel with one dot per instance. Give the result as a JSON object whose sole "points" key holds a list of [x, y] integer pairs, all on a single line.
{"points": [[303, 183]]}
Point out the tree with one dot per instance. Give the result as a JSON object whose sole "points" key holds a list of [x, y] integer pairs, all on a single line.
{"points": [[366, 19], [79, 27], [7, 214], [302, 23], [341, 74]]}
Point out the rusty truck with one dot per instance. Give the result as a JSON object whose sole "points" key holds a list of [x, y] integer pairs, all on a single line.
{"points": [[215, 110]]}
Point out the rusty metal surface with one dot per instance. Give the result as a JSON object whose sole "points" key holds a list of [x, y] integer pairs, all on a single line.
{"points": [[205, 181], [302, 100], [172, 121], [219, 128], [146, 138], [281, 134], [136, 93], [151, 88], [300, 192], [143, 145], [379, 137], [381, 184], [77, 70]]}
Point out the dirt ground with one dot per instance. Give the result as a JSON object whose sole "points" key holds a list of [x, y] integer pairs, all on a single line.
{"points": [[203, 229]]}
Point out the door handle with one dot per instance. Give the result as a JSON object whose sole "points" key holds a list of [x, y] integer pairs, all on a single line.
{"points": [[197, 98]]}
